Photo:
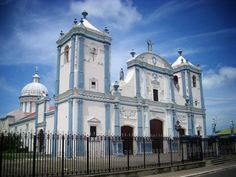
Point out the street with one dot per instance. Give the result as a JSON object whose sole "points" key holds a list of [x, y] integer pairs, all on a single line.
{"points": [[226, 173]]}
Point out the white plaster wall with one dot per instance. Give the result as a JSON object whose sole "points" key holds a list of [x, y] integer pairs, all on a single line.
{"points": [[128, 86], [62, 125], [64, 69], [21, 126], [50, 123], [93, 110], [94, 67], [40, 112]]}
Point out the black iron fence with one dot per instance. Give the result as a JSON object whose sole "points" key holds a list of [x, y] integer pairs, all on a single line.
{"points": [[27, 154]]}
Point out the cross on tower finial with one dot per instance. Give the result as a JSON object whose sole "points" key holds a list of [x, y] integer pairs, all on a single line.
{"points": [[36, 70]]}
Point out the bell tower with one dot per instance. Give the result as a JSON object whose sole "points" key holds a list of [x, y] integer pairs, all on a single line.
{"points": [[83, 65]]}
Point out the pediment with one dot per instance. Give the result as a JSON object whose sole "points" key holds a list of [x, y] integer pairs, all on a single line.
{"points": [[94, 120]]}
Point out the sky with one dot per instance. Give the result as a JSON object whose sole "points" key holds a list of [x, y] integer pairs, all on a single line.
{"points": [[205, 30]]}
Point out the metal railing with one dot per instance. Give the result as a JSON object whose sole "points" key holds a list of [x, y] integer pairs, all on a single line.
{"points": [[27, 154]]}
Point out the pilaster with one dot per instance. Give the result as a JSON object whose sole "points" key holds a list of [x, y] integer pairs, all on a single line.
{"points": [[70, 115], [72, 64], [107, 119], [190, 88], [107, 69], [140, 125], [183, 83], [80, 121], [81, 63], [58, 70], [117, 119], [172, 89], [137, 73], [201, 90]]}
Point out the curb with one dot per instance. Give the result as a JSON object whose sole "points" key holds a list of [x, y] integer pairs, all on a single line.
{"points": [[211, 171]]}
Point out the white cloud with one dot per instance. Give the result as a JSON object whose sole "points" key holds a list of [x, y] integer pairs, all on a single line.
{"points": [[122, 15], [221, 78], [168, 9]]}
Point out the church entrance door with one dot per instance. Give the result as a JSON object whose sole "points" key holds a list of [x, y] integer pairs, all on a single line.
{"points": [[127, 138], [156, 132]]}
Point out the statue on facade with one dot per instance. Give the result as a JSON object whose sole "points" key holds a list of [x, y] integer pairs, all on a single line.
{"points": [[213, 127], [149, 43], [231, 127], [121, 74]]}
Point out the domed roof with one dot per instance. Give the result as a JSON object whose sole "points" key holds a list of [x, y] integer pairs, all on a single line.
{"points": [[35, 88]]}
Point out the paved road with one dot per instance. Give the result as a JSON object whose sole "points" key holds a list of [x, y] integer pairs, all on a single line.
{"points": [[224, 173]]}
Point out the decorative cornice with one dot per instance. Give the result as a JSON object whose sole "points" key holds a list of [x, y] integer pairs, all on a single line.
{"points": [[142, 64], [78, 30], [188, 68]]}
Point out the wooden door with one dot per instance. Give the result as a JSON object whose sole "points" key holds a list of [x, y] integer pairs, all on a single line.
{"points": [[156, 132], [127, 137]]}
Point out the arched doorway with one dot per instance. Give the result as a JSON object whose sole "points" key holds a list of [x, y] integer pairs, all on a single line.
{"points": [[156, 132], [181, 132], [127, 137], [41, 140]]}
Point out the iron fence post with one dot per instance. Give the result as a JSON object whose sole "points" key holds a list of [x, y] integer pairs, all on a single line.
{"points": [[171, 158], [182, 149], [109, 153], [144, 153], [34, 156], [159, 162], [128, 159], [87, 155], [62, 158], [1, 153]]}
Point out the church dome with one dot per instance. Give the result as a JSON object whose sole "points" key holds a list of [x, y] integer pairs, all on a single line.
{"points": [[35, 88]]}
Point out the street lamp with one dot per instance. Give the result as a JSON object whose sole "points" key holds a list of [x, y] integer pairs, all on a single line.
{"points": [[232, 128], [213, 126]]}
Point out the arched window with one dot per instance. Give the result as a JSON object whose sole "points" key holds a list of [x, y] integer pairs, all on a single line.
{"points": [[176, 82], [194, 80], [66, 54]]}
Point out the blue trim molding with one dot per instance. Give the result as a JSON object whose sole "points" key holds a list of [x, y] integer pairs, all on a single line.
{"points": [[172, 89], [204, 125], [140, 126], [193, 124], [55, 119], [117, 119], [190, 132], [190, 88], [201, 90], [80, 120], [107, 119], [81, 63], [58, 70], [70, 115], [72, 63], [175, 133], [183, 83], [107, 69], [137, 73]]}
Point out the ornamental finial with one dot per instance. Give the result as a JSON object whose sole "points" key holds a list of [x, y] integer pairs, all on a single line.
{"points": [[36, 70], [132, 53], [84, 13], [180, 52], [75, 21]]}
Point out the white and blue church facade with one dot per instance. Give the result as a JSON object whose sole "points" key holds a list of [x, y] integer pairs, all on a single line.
{"points": [[151, 98]]}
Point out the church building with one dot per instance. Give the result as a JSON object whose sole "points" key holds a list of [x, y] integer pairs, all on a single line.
{"points": [[153, 98]]}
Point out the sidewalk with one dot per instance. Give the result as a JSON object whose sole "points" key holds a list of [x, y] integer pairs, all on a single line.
{"points": [[197, 171]]}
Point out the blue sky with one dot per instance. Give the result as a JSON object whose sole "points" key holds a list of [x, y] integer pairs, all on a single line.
{"points": [[205, 31]]}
